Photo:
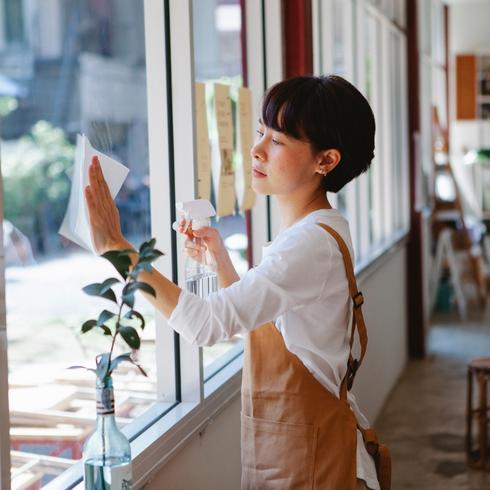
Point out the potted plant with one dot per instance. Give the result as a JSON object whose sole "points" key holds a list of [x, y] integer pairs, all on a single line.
{"points": [[107, 453]]}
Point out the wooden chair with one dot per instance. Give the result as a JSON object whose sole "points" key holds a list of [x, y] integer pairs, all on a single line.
{"points": [[479, 456]]}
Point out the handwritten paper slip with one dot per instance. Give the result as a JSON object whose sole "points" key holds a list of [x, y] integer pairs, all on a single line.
{"points": [[244, 178], [203, 146], [225, 196], [75, 225]]}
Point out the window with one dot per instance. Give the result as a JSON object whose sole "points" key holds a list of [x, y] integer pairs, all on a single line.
{"points": [[88, 75], [217, 45], [14, 21]]}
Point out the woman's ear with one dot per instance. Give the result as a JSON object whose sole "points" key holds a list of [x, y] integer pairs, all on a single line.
{"points": [[328, 160]]}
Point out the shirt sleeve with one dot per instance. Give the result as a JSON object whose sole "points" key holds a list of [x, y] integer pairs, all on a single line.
{"points": [[293, 274]]}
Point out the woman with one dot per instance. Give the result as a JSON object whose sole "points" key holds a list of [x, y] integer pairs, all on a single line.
{"points": [[299, 425]]}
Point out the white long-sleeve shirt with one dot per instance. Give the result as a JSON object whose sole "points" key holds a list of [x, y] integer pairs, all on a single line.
{"points": [[301, 286]]}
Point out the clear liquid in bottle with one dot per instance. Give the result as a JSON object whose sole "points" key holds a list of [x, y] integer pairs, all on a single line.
{"points": [[111, 475]]}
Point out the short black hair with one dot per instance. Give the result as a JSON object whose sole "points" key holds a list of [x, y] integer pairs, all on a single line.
{"points": [[329, 112]]}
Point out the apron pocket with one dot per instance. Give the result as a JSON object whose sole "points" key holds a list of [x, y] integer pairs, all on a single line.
{"points": [[277, 455]]}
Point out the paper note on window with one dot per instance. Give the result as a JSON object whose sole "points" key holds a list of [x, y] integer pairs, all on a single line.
{"points": [[244, 117], [75, 225], [225, 196], [203, 147]]}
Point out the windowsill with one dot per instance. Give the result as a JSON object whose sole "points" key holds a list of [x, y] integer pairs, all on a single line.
{"points": [[163, 438], [155, 443], [379, 255]]}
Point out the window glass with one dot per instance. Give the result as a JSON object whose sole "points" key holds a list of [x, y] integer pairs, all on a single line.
{"points": [[339, 41], [371, 65], [396, 115], [217, 34], [67, 68], [340, 67]]}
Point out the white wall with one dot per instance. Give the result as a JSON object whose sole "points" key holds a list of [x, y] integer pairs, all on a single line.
{"points": [[469, 26], [386, 320], [212, 460]]}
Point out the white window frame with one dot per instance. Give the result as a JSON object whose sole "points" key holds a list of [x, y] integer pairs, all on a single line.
{"points": [[274, 73], [4, 405]]}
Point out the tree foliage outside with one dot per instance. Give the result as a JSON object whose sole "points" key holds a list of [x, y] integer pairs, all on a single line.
{"points": [[36, 184]]}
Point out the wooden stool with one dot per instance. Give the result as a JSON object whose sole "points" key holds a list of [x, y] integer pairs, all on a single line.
{"points": [[480, 456]]}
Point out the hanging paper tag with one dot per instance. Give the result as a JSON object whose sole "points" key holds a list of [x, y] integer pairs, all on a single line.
{"points": [[225, 199], [203, 147], [246, 193]]}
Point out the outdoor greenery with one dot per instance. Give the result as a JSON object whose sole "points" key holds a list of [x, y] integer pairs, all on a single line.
{"points": [[123, 322], [36, 184], [7, 105]]}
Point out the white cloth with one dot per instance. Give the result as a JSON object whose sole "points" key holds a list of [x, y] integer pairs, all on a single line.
{"points": [[301, 285]]}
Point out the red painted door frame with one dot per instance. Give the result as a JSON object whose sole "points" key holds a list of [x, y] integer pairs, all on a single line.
{"points": [[298, 38], [416, 322]]}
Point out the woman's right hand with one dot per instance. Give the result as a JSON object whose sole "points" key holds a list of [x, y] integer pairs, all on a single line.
{"points": [[210, 239]]}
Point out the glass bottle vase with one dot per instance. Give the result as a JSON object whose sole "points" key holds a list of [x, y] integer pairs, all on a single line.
{"points": [[107, 452]]}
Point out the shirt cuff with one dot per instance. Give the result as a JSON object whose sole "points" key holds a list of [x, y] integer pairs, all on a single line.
{"points": [[180, 319]]}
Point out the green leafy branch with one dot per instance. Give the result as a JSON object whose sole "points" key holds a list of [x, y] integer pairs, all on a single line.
{"points": [[126, 316]]}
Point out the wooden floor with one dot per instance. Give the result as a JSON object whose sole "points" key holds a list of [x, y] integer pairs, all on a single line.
{"points": [[423, 421]]}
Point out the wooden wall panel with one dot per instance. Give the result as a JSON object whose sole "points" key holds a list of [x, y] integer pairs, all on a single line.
{"points": [[466, 87]]}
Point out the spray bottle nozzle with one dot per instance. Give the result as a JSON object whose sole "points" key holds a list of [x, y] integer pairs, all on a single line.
{"points": [[196, 213]]}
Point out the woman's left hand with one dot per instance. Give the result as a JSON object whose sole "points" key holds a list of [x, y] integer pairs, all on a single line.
{"points": [[103, 213]]}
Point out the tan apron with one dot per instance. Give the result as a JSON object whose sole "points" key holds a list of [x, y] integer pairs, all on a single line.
{"points": [[295, 433]]}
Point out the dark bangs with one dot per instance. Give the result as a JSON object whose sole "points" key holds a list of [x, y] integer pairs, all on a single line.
{"points": [[295, 107]]}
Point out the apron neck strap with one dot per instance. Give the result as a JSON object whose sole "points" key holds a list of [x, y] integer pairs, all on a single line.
{"points": [[358, 323]]}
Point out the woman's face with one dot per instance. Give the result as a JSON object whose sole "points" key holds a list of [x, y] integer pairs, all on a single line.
{"points": [[282, 164]]}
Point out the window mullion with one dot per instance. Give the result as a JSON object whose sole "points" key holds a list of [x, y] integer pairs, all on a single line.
{"points": [[184, 141], [256, 82], [386, 141], [274, 72], [4, 405], [160, 179]]}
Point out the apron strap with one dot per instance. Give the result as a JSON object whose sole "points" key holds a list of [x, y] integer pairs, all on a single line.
{"points": [[381, 456], [357, 316]]}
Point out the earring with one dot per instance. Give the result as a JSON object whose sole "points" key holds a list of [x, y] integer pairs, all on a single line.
{"points": [[323, 172]]}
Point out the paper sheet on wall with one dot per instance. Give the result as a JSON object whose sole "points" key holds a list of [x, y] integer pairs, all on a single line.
{"points": [[225, 196], [246, 193], [75, 225], [203, 146]]}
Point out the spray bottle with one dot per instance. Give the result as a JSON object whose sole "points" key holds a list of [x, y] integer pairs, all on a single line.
{"points": [[200, 271]]}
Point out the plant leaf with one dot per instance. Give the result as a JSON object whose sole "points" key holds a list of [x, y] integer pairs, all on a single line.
{"points": [[106, 329], [88, 325], [150, 244], [104, 316], [81, 367], [125, 357], [108, 283], [130, 335], [92, 289], [102, 361], [142, 286], [110, 295], [96, 289], [132, 314], [128, 299], [141, 266], [120, 260]]}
